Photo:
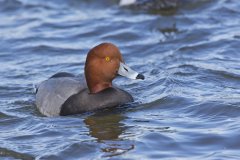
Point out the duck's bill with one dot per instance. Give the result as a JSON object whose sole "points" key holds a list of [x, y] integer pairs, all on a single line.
{"points": [[126, 71]]}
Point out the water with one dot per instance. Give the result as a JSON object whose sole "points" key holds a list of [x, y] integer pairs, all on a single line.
{"points": [[187, 108]]}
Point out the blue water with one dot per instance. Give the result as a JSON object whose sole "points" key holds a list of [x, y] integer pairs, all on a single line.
{"points": [[188, 107]]}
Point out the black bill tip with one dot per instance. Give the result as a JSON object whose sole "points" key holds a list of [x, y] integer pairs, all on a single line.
{"points": [[140, 76]]}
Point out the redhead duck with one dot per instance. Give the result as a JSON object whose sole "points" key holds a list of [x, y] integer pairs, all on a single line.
{"points": [[66, 94]]}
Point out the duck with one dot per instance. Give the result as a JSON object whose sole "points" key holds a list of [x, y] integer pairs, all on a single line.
{"points": [[66, 94], [150, 4]]}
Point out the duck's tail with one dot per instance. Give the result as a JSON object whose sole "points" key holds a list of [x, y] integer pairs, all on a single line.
{"points": [[35, 88]]}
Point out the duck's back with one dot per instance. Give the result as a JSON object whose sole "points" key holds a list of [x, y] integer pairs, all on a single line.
{"points": [[52, 93], [64, 94]]}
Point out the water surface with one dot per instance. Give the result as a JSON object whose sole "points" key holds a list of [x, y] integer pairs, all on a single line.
{"points": [[187, 108]]}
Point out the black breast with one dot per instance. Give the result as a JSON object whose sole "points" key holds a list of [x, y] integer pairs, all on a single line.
{"points": [[83, 101]]}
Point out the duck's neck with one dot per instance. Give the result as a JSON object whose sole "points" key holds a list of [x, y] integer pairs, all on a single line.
{"points": [[98, 87]]}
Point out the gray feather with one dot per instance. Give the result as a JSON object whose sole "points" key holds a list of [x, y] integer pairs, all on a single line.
{"points": [[52, 93]]}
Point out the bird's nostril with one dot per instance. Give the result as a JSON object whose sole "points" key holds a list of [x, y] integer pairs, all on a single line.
{"points": [[125, 69]]}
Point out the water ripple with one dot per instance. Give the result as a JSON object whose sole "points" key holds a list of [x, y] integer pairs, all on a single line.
{"points": [[186, 108]]}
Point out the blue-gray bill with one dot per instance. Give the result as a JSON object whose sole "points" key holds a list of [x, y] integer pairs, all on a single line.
{"points": [[126, 71]]}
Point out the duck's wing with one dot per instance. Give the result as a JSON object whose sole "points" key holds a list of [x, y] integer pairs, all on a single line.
{"points": [[52, 93]]}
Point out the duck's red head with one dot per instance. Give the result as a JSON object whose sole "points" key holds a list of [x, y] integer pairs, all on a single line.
{"points": [[104, 62]]}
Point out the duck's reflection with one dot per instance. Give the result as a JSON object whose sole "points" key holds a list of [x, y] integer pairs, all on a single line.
{"points": [[107, 128]]}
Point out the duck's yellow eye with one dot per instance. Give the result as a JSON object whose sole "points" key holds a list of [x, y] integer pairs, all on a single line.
{"points": [[107, 59]]}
